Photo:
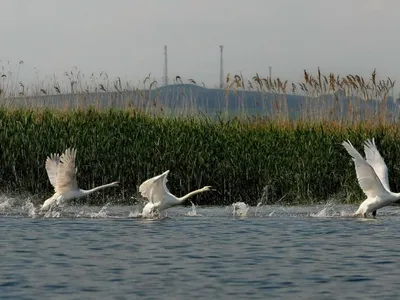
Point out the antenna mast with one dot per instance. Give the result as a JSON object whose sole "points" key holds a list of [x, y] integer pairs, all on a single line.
{"points": [[221, 68], [165, 66]]}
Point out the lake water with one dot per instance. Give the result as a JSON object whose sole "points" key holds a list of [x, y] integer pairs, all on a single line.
{"points": [[269, 252]]}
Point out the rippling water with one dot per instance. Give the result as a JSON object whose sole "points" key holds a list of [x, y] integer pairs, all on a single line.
{"points": [[267, 252]]}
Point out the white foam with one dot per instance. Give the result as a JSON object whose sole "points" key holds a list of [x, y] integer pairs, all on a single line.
{"points": [[6, 205], [29, 208], [240, 209], [193, 211]]}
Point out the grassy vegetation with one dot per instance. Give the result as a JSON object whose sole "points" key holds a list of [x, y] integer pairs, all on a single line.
{"points": [[252, 161], [322, 97], [270, 158]]}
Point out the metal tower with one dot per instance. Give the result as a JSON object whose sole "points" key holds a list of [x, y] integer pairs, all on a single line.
{"points": [[165, 66], [221, 68]]}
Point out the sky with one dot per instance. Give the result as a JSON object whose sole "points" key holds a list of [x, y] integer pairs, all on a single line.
{"points": [[126, 38]]}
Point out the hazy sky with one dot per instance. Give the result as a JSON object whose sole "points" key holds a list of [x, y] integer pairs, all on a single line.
{"points": [[126, 37]]}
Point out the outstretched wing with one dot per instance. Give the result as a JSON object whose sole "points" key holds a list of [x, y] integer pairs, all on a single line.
{"points": [[155, 188], [66, 172], [51, 166], [367, 178], [374, 158]]}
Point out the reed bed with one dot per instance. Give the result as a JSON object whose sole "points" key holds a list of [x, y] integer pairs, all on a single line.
{"points": [[252, 161], [268, 149], [324, 97]]}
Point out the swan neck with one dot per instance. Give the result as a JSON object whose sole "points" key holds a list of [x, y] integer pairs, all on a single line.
{"points": [[97, 188], [190, 195], [397, 196]]}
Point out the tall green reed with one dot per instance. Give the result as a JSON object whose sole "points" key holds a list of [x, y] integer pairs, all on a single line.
{"points": [[252, 161], [265, 157]]}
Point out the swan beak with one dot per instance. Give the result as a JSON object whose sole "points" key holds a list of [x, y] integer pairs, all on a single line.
{"points": [[212, 189]]}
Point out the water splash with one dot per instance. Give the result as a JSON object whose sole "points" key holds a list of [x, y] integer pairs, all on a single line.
{"points": [[240, 209], [29, 209], [84, 213], [52, 213], [193, 211], [102, 213], [151, 214], [328, 211], [259, 204], [81, 214], [323, 213], [6, 205], [135, 214], [155, 216], [344, 213]]}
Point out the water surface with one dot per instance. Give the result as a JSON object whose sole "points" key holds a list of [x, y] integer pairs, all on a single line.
{"points": [[207, 253]]}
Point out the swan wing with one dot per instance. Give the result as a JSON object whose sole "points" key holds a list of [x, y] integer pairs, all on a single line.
{"points": [[374, 158], [66, 172], [155, 188], [51, 166], [367, 178]]}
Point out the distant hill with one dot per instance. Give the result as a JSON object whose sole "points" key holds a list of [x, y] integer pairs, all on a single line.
{"points": [[189, 97]]}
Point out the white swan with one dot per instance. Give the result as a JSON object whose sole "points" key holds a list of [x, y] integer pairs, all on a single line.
{"points": [[61, 171], [160, 198], [372, 175]]}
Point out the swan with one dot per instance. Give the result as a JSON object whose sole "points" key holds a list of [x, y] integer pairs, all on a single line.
{"points": [[61, 171], [372, 175], [160, 198]]}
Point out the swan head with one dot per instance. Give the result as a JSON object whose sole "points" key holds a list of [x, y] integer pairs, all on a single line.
{"points": [[208, 188], [115, 183]]}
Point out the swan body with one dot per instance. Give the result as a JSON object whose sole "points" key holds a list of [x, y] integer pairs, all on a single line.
{"points": [[372, 175], [61, 171], [160, 198]]}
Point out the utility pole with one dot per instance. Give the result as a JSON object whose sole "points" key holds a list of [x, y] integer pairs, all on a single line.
{"points": [[221, 68], [165, 66]]}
